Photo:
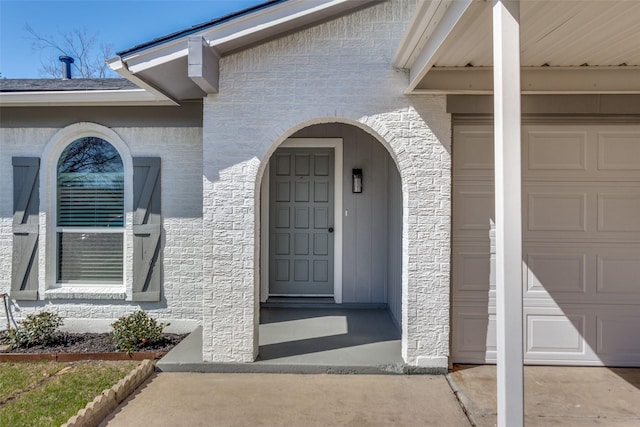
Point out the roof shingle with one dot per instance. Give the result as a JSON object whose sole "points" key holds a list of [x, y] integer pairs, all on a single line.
{"points": [[58, 85]]}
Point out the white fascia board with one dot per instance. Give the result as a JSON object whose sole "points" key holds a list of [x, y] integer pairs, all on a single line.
{"points": [[280, 15], [130, 97], [142, 61], [235, 29], [432, 33], [535, 80], [423, 22]]}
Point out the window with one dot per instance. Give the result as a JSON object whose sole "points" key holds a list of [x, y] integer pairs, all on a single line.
{"points": [[90, 213], [101, 235]]}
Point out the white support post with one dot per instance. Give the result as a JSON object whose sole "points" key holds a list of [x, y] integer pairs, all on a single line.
{"points": [[508, 181]]}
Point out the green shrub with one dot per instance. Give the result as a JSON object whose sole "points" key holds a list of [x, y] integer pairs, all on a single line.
{"points": [[36, 329], [135, 331]]}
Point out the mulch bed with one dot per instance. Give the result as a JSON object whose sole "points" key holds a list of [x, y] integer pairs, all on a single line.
{"points": [[69, 346]]}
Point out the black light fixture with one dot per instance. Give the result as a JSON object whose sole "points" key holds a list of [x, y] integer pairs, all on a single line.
{"points": [[357, 181]]}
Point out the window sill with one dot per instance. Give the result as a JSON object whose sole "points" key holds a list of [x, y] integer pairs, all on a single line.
{"points": [[86, 293]]}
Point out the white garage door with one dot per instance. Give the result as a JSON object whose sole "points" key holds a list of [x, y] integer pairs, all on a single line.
{"points": [[581, 244]]}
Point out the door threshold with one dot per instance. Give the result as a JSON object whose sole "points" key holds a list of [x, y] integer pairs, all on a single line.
{"points": [[317, 302], [304, 301]]}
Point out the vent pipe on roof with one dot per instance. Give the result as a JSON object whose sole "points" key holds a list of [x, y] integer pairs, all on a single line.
{"points": [[66, 66]]}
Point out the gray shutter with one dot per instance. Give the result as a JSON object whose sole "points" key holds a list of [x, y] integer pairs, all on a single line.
{"points": [[147, 227], [26, 206]]}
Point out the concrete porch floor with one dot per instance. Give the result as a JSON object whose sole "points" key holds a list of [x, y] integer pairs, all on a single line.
{"points": [[308, 340]]}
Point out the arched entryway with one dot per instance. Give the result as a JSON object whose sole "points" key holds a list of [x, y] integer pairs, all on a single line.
{"points": [[331, 249]]}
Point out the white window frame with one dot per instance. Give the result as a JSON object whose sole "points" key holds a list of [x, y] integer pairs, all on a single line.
{"points": [[49, 286]]}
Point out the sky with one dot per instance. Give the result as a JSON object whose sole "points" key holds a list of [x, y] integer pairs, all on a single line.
{"points": [[121, 23]]}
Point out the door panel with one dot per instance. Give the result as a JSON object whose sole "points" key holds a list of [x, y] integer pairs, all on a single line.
{"points": [[300, 216], [581, 244]]}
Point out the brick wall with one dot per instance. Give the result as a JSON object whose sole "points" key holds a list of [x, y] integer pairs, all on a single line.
{"points": [[181, 152], [338, 71]]}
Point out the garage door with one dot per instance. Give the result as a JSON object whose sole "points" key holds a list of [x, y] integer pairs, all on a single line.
{"points": [[581, 244]]}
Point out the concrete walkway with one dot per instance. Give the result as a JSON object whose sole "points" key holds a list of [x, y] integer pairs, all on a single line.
{"points": [[556, 396], [192, 399], [364, 341]]}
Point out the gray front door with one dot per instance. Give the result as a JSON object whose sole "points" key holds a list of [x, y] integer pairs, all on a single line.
{"points": [[301, 222]]}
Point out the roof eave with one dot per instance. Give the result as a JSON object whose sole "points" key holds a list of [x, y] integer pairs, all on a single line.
{"points": [[241, 32], [429, 33], [120, 67], [196, 28], [125, 97]]}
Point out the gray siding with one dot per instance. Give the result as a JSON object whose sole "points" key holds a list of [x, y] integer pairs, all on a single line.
{"points": [[366, 258], [188, 114]]}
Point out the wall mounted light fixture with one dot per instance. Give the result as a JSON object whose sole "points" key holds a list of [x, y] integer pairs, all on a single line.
{"points": [[357, 181]]}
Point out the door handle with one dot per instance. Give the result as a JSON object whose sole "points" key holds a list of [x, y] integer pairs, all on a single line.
{"points": [[330, 229]]}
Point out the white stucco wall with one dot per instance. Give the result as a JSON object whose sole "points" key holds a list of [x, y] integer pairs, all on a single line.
{"points": [[180, 150], [338, 71]]}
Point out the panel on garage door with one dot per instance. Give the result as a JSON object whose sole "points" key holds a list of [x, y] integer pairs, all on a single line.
{"points": [[581, 244]]}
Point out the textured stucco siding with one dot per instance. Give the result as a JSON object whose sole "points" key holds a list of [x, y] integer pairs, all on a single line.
{"points": [[180, 150], [338, 71]]}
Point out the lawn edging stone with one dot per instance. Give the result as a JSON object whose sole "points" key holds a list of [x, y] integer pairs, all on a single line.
{"points": [[105, 403]]}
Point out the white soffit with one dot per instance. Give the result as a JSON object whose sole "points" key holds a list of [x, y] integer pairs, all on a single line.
{"points": [[432, 31], [556, 37]]}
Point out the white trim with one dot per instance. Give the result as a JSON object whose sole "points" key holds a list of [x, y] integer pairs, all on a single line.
{"points": [[336, 144], [84, 292], [267, 21], [508, 213], [435, 29], [534, 80], [48, 191], [264, 235], [121, 97], [423, 22]]}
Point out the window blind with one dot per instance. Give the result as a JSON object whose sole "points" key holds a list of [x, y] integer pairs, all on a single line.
{"points": [[90, 210], [90, 257], [90, 200]]}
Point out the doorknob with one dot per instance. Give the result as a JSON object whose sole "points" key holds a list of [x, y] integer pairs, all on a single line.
{"points": [[330, 229]]}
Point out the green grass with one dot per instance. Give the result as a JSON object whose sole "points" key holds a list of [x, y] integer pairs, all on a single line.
{"points": [[49, 393], [15, 377]]}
